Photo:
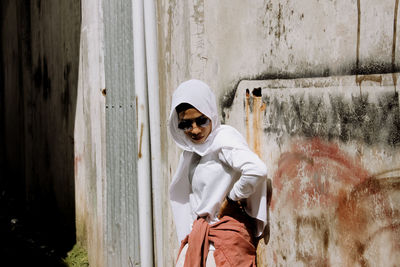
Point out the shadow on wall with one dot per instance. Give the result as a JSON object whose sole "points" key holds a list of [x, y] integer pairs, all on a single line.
{"points": [[39, 63]]}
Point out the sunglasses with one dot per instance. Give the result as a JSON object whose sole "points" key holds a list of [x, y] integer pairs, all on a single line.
{"points": [[186, 125]]}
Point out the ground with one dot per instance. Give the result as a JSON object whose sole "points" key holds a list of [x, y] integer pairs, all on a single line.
{"points": [[24, 241]]}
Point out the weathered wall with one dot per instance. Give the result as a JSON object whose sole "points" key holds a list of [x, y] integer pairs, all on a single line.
{"points": [[40, 48], [12, 99], [105, 136], [332, 145], [225, 42], [89, 135]]}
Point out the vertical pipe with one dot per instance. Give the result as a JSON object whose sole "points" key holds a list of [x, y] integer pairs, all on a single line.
{"points": [[144, 170], [155, 123]]}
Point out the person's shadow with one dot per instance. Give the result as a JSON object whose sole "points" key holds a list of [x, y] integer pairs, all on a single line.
{"points": [[266, 233]]}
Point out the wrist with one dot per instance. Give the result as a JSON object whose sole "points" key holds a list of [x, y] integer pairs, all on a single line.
{"points": [[229, 200]]}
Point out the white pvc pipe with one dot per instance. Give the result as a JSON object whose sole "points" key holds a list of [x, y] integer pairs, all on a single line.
{"points": [[143, 171], [155, 123]]}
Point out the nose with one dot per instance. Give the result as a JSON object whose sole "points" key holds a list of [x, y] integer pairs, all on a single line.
{"points": [[195, 128]]}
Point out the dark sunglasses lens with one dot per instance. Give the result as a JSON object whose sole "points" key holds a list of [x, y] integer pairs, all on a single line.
{"points": [[202, 121], [183, 125], [187, 124]]}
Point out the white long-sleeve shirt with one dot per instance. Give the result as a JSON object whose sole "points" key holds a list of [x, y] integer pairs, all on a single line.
{"points": [[201, 183], [230, 171], [208, 172]]}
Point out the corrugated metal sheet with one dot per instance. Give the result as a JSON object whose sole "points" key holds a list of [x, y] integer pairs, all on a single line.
{"points": [[122, 233]]}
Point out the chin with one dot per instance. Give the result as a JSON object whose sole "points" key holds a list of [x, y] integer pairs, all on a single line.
{"points": [[200, 141]]}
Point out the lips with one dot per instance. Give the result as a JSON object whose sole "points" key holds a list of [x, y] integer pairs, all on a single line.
{"points": [[197, 137]]}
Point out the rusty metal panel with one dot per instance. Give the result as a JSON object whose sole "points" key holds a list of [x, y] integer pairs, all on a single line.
{"points": [[332, 146], [121, 221]]}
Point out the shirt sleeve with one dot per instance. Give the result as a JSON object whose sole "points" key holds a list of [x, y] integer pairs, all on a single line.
{"points": [[251, 168]]}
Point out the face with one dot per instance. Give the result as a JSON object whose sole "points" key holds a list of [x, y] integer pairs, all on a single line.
{"points": [[195, 125]]}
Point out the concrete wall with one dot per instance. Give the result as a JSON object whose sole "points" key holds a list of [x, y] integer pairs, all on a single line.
{"points": [[226, 42], [332, 145], [40, 51]]}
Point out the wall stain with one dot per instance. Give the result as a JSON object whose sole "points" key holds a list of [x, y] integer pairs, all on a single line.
{"points": [[140, 140], [226, 101], [367, 213], [372, 78], [396, 8], [320, 234], [65, 95], [278, 27], [247, 110], [303, 167], [257, 121], [357, 118], [363, 206], [358, 37], [41, 78]]}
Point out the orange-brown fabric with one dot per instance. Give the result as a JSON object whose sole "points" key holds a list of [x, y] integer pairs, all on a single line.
{"points": [[232, 242]]}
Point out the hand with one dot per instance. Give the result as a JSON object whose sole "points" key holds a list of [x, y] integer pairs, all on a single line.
{"points": [[235, 209], [224, 209], [230, 208]]}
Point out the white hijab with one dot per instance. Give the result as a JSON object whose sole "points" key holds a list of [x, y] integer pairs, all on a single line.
{"points": [[200, 96]]}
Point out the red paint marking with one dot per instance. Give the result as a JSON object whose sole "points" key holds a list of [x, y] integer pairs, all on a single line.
{"points": [[77, 159], [307, 163]]}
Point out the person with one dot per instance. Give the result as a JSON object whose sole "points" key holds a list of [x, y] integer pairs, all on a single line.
{"points": [[218, 192]]}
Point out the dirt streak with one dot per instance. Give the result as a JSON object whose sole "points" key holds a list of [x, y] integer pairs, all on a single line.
{"points": [[358, 35], [396, 8], [247, 108], [140, 141]]}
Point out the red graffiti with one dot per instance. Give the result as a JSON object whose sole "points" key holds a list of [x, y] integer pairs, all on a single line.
{"points": [[318, 170], [367, 215], [360, 212]]}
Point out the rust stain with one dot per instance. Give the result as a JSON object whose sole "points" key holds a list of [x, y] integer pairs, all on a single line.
{"points": [[140, 140], [372, 78], [254, 105], [396, 8], [77, 159], [104, 92], [263, 107], [257, 120], [137, 114]]}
